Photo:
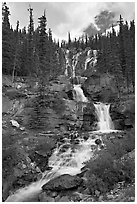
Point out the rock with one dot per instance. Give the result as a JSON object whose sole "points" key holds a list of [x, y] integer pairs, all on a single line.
{"points": [[110, 197], [63, 182], [98, 141], [43, 197], [100, 199], [57, 198], [97, 193], [6, 104], [15, 123], [101, 146], [22, 128], [76, 141], [93, 147], [101, 87], [15, 94], [64, 199], [54, 194], [119, 124], [85, 137]]}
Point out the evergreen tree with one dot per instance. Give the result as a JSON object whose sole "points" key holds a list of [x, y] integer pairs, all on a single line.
{"points": [[69, 39], [132, 41], [30, 59], [17, 46], [50, 35], [24, 53], [7, 54], [121, 45], [44, 47]]}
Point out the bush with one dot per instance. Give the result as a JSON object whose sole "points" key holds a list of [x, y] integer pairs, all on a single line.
{"points": [[108, 168], [94, 183]]}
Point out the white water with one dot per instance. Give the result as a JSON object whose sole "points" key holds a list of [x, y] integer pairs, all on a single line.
{"points": [[105, 123], [79, 95], [69, 162], [91, 58], [71, 159]]}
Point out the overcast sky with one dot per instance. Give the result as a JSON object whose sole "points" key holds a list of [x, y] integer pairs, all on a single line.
{"points": [[67, 16]]}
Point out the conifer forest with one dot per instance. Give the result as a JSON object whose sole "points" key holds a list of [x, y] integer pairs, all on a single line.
{"points": [[68, 111]]}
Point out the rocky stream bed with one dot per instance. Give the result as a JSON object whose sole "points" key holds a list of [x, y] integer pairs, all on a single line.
{"points": [[26, 149]]}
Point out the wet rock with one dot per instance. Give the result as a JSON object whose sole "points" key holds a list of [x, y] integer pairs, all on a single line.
{"points": [[48, 168], [54, 194], [63, 182], [15, 123], [97, 193], [102, 146], [64, 148], [41, 161], [57, 198], [43, 197], [76, 141], [85, 137], [98, 141], [64, 199], [100, 199], [93, 147]]}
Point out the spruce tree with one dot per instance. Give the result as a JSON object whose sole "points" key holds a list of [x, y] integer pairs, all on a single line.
{"points": [[30, 52], [7, 54], [132, 41], [43, 47], [17, 49], [121, 44]]}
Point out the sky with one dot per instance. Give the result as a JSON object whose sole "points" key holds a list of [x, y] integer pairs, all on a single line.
{"points": [[64, 17]]}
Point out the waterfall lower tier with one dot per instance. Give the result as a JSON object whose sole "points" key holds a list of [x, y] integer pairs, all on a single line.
{"points": [[65, 160], [105, 123]]}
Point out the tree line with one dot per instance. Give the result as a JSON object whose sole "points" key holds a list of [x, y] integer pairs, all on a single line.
{"points": [[116, 52], [33, 52], [29, 52]]}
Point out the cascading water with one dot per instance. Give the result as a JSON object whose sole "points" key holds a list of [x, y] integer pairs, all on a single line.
{"points": [[69, 157], [79, 95], [91, 58], [69, 161], [105, 123]]}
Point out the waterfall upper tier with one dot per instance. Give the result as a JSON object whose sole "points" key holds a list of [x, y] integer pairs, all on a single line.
{"points": [[79, 95]]}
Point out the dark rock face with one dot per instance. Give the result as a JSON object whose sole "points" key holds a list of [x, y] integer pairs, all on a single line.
{"points": [[63, 182], [89, 117], [101, 87], [123, 114]]}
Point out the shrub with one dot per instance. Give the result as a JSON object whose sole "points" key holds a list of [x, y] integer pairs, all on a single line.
{"points": [[94, 183], [108, 168]]}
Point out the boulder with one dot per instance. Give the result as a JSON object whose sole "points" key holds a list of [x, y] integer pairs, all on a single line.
{"points": [[101, 87], [64, 199], [43, 197], [63, 182], [6, 104], [119, 124]]}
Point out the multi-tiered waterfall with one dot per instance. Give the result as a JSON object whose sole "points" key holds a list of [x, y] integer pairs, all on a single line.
{"points": [[105, 123], [78, 94], [71, 160]]}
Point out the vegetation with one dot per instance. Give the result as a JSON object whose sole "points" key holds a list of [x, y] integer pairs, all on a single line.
{"points": [[34, 53], [29, 52], [109, 169]]}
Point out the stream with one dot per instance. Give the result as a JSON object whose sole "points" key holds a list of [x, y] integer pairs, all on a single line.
{"points": [[69, 157]]}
